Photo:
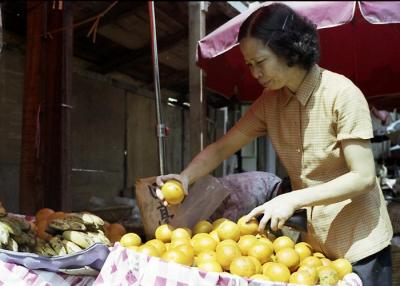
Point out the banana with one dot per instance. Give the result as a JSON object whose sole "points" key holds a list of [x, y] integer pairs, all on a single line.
{"points": [[78, 237], [73, 217], [74, 225], [70, 247], [24, 238], [14, 227], [11, 245], [58, 225], [89, 219], [49, 250], [57, 245], [99, 237], [23, 224], [24, 248], [4, 233]]}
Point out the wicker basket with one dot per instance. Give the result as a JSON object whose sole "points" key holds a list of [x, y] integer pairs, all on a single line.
{"points": [[113, 213]]}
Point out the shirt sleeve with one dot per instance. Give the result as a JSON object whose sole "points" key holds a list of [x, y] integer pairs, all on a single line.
{"points": [[352, 114], [253, 122]]}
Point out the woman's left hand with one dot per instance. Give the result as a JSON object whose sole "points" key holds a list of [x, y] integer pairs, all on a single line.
{"points": [[278, 211]]}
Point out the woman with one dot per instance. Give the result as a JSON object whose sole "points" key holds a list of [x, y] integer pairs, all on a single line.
{"points": [[320, 126]]}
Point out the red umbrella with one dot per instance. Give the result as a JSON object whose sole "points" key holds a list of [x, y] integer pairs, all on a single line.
{"points": [[360, 40]]}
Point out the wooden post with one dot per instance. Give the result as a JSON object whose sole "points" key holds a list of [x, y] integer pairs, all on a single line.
{"points": [[45, 125], [198, 102], [1, 31]]}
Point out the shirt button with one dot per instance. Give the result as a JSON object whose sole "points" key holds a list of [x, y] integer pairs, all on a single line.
{"points": [[298, 150]]}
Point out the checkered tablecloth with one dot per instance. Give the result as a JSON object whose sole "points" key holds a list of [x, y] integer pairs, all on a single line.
{"points": [[17, 275], [126, 267]]}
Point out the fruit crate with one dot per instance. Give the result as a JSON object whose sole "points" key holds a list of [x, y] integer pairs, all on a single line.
{"points": [[113, 213]]}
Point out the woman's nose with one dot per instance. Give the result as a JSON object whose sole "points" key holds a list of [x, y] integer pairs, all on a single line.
{"points": [[255, 72]]}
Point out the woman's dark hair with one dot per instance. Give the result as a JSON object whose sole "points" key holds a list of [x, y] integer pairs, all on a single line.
{"points": [[288, 34]]}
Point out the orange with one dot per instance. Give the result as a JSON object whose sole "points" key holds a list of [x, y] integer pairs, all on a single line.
{"points": [[158, 244], [302, 278], [204, 243], [228, 230], [180, 241], [55, 215], [311, 270], [216, 223], [164, 232], [206, 255], [130, 239], [133, 247], [214, 234], [187, 249], [189, 231], [261, 251], [282, 242], [251, 227], [319, 255], [260, 277], [225, 255], [278, 272], [41, 230], [327, 275], [289, 257], [180, 233], [177, 256], [303, 249], [173, 192], [148, 250], [43, 213], [227, 241], [116, 231], [342, 266], [326, 262], [210, 266], [199, 235], [267, 241], [257, 264], [242, 266], [245, 242], [202, 226], [311, 261]]}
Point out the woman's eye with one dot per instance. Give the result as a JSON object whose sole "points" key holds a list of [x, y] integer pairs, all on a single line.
{"points": [[259, 62]]}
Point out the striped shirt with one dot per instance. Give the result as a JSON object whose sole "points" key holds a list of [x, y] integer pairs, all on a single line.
{"points": [[306, 129]]}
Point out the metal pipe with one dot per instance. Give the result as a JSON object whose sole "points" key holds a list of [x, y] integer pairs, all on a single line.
{"points": [[161, 129]]}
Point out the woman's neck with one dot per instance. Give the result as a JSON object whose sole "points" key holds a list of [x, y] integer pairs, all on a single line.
{"points": [[296, 78]]}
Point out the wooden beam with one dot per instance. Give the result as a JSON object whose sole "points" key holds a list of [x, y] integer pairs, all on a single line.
{"points": [[121, 10], [165, 43], [198, 102], [1, 30], [44, 175]]}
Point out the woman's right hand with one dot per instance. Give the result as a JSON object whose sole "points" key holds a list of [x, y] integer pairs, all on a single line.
{"points": [[160, 180]]}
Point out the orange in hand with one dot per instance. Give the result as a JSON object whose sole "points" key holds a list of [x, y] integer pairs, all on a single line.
{"points": [[173, 192]]}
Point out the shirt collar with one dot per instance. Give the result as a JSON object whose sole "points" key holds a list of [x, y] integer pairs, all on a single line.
{"points": [[306, 88]]}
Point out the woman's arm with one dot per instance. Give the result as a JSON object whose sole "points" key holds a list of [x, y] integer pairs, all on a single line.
{"points": [[208, 159], [360, 179]]}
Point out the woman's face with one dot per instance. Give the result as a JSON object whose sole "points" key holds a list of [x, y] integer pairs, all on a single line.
{"points": [[266, 67]]}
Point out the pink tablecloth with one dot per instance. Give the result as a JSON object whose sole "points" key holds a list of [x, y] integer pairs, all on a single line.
{"points": [[126, 267], [17, 275]]}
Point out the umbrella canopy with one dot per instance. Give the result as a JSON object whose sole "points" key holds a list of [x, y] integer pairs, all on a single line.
{"points": [[360, 40]]}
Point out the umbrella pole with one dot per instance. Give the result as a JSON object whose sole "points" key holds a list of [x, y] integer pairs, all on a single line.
{"points": [[161, 129]]}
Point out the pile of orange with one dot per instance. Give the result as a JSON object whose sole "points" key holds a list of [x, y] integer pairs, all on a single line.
{"points": [[238, 248]]}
